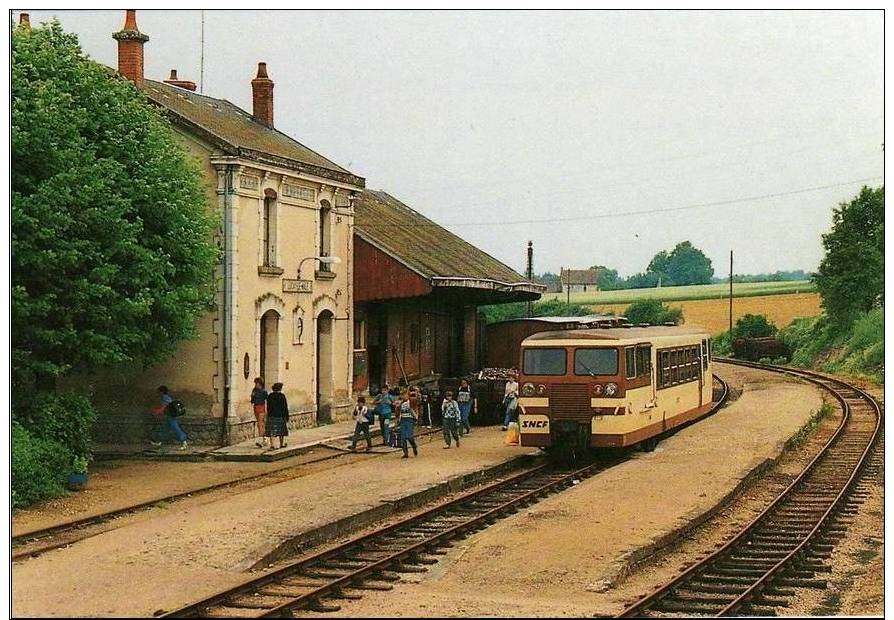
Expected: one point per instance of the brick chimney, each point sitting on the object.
(130, 49)
(174, 81)
(25, 21)
(262, 96)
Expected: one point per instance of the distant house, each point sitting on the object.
(579, 280)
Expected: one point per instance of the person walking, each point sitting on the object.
(450, 415)
(171, 409)
(408, 426)
(510, 400)
(277, 416)
(362, 418)
(467, 401)
(383, 403)
(259, 404)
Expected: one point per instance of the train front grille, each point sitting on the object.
(570, 400)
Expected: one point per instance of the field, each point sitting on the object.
(713, 314)
(686, 293)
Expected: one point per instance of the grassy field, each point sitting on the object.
(713, 314)
(686, 293)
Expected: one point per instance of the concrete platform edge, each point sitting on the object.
(305, 541)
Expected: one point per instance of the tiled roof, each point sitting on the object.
(235, 131)
(424, 246)
(579, 276)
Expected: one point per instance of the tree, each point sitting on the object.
(753, 326)
(652, 312)
(606, 279)
(851, 276)
(685, 264)
(112, 241)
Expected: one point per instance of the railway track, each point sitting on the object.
(35, 542)
(374, 561)
(785, 547)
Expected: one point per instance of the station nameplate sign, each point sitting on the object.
(297, 286)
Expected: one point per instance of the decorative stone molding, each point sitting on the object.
(250, 182)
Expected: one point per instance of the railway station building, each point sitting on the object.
(279, 312)
(417, 288)
(324, 286)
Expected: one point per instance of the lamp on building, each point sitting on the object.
(324, 260)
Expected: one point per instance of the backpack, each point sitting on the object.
(175, 409)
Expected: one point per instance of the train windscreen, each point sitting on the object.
(545, 361)
(595, 362)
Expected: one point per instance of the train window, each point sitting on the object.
(545, 361)
(630, 358)
(663, 368)
(644, 360)
(596, 362)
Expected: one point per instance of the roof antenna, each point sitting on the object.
(202, 55)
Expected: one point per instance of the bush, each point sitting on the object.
(39, 467)
(63, 417)
(753, 326)
(653, 312)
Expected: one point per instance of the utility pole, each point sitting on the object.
(731, 291)
(202, 55)
(530, 274)
(567, 287)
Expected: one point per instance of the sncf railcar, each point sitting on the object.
(610, 388)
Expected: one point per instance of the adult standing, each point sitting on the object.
(259, 405)
(510, 400)
(467, 401)
(277, 416)
(383, 408)
(451, 417)
(408, 426)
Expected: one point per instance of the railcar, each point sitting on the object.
(588, 389)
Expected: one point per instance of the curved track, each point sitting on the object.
(784, 547)
(374, 560)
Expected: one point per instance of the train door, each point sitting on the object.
(701, 375)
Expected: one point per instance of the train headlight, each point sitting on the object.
(611, 389)
(528, 389)
(541, 390)
(598, 389)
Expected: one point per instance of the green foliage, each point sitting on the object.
(551, 280)
(809, 427)
(685, 264)
(39, 467)
(653, 312)
(858, 349)
(552, 307)
(63, 417)
(607, 279)
(851, 276)
(753, 326)
(776, 276)
(112, 244)
(79, 465)
(641, 280)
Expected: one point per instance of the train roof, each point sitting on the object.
(618, 333)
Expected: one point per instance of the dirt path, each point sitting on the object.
(562, 556)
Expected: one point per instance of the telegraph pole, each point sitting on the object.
(731, 291)
(530, 307)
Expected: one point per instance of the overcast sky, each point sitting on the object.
(556, 120)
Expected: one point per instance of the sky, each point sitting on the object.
(601, 136)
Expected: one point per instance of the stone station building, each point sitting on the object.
(286, 307)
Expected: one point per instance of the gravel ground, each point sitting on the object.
(563, 556)
(192, 549)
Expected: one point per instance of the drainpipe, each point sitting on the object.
(228, 300)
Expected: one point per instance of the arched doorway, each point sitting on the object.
(325, 380)
(269, 347)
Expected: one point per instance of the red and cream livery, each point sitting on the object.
(597, 388)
